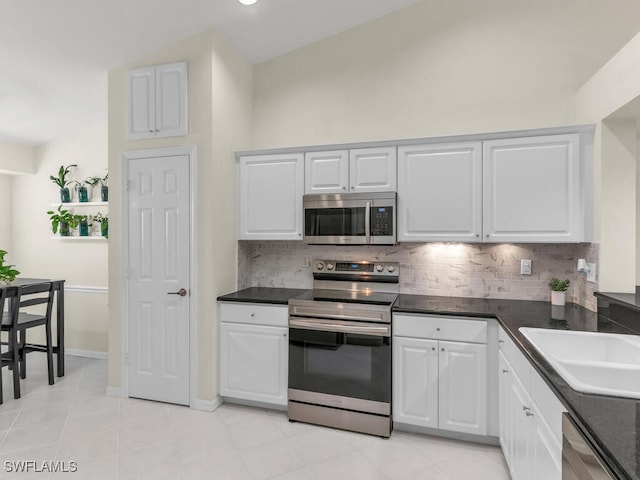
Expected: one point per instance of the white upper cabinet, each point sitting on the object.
(373, 170)
(440, 192)
(359, 170)
(326, 172)
(270, 197)
(157, 101)
(532, 189)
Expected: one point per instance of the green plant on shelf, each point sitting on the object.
(103, 220)
(62, 219)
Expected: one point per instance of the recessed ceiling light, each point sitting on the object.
(247, 2)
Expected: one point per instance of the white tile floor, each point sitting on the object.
(114, 438)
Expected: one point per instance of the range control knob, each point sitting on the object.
(391, 268)
(379, 268)
(319, 266)
(329, 266)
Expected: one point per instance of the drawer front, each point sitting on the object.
(521, 366)
(254, 313)
(458, 329)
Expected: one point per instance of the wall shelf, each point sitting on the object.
(77, 238)
(81, 204)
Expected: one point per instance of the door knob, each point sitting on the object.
(182, 292)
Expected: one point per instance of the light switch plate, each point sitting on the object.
(525, 267)
(591, 273)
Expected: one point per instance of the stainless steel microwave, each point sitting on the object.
(350, 219)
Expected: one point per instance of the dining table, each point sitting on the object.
(58, 287)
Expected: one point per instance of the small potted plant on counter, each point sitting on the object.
(63, 219)
(558, 290)
(7, 273)
(103, 220)
(62, 182)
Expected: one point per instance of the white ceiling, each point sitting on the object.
(55, 53)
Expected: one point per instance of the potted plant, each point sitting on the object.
(81, 191)
(83, 224)
(90, 183)
(63, 219)
(104, 188)
(558, 289)
(62, 182)
(103, 220)
(7, 273)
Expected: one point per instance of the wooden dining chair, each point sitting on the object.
(16, 323)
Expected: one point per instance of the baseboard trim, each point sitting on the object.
(114, 391)
(207, 405)
(436, 432)
(74, 352)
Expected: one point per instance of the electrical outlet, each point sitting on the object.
(525, 267)
(304, 261)
(591, 273)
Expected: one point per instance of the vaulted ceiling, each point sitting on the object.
(55, 53)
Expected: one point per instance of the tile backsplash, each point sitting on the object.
(456, 269)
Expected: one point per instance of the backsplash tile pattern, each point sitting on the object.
(459, 270)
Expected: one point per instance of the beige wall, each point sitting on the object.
(618, 207)
(485, 67)
(37, 254)
(17, 159)
(614, 86)
(219, 123)
(5, 215)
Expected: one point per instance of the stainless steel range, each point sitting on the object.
(340, 347)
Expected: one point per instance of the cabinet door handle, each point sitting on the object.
(528, 414)
(526, 409)
(505, 371)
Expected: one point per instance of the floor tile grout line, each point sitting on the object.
(13, 423)
(66, 420)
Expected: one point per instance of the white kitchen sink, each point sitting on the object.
(591, 362)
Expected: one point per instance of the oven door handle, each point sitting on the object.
(297, 322)
(367, 222)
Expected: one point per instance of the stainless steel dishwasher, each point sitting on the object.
(579, 461)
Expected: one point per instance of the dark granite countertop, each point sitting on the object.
(631, 300)
(611, 424)
(278, 296)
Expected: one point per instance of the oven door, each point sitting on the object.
(336, 358)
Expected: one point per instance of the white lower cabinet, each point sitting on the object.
(415, 381)
(253, 357)
(439, 382)
(529, 419)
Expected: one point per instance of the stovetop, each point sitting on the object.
(348, 296)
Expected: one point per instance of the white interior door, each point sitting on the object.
(159, 256)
